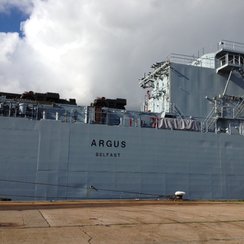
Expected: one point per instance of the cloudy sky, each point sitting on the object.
(90, 48)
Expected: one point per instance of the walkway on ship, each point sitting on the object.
(122, 222)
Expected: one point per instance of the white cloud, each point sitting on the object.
(23, 5)
(89, 48)
(8, 42)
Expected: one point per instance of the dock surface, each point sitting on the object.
(122, 222)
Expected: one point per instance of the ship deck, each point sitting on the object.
(127, 221)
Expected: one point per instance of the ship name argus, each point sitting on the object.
(108, 144)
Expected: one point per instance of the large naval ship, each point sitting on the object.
(188, 137)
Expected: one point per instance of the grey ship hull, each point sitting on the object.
(48, 159)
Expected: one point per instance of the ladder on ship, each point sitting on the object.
(238, 109)
(209, 121)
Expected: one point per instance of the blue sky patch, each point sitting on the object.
(10, 20)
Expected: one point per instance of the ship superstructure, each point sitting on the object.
(208, 89)
(189, 137)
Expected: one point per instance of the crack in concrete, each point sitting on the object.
(40, 212)
(206, 240)
(90, 237)
(127, 224)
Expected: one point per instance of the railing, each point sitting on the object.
(192, 60)
(123, 118)
(42, 112)
(147, 120)
(181, 58)
(110, 117)
(230, 45)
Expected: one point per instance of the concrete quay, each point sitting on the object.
(121, 222)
